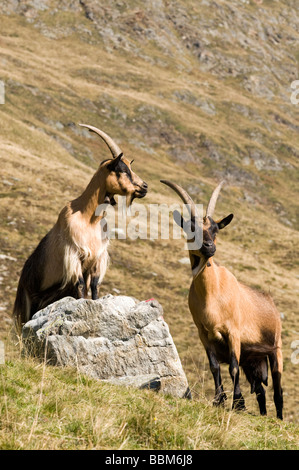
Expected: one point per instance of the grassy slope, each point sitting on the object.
(46, 160)
(84, 414)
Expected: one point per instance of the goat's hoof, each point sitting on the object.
(219, 399)
(239, 404)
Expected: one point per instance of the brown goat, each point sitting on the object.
(237, 325)
(73, 256)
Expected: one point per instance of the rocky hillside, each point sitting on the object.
(192, 90)
(228, 64)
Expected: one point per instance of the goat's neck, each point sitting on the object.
(206, 283)
(92, 196)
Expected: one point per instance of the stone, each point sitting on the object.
(115, 338)
(185, 260)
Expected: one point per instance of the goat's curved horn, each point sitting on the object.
(184, 196)
(114, 148)
(213, 200)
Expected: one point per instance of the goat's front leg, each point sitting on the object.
(94, 286)
(234, 370)
(81, 288)
(91, 281)
(220, 395)
(97, 273)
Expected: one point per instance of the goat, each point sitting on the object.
(73, 256)
(237, 325)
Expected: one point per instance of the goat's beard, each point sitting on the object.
(129, 200)
(110, 200)
(126, 207)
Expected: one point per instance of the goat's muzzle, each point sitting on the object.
(141, 191)
(208, 249)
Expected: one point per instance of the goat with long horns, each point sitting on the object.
(73, 256)
(237, 325)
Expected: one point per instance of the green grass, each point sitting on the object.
(86, 414)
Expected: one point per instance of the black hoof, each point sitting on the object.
(220, 399)
(239, 404)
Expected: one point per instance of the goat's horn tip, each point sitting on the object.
(84, 125)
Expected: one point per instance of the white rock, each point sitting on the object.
(115, 338)
(184, 260)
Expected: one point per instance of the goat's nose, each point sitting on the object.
(145, 185)
(208, 243)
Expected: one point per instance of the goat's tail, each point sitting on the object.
(22, 308)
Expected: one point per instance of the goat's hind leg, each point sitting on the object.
(276, 365)
(220, 395)
(256, 371)
(261, 399)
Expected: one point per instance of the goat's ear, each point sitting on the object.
(178, 219)
(224, 222)
(114, 162)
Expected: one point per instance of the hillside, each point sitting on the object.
(195, 91)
